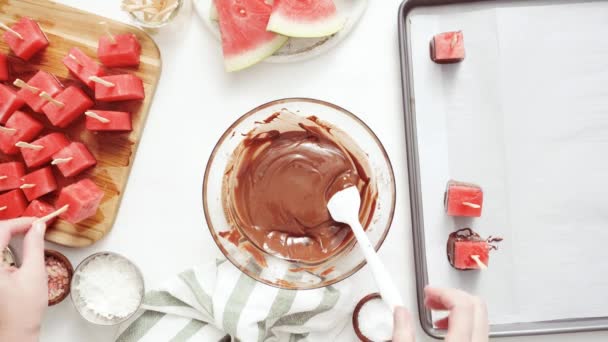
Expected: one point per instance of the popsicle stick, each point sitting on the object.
(101, 81)
(52, 215)
(23, 144)
(454, 41)
(3, 208)
(10, 131)
(61, 160)
(4, 26)
(75, 59)
(158, 16)
(21, 84)
(3, 177)
(478, 262)
(27, 186)
(49, 98)
(471, 205)
(96, 116)
(107, 30)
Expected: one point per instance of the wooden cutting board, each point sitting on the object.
(67, 27)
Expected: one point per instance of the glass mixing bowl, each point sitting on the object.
(276, 271)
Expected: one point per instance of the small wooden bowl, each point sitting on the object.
(68, 266)
(358, 308)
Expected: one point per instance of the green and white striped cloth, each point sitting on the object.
(217, 302)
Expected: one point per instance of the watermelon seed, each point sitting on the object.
(19, 83)
(2, 25)
(49, 98)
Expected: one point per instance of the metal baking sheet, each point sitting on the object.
(525, 116)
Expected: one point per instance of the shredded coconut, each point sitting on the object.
(376, 320)
(110, 286)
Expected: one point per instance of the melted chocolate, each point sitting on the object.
(280, 181)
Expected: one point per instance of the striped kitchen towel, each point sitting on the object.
(217, 302)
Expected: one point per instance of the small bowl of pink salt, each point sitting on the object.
(59, 272)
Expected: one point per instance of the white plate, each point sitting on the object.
(298, 49)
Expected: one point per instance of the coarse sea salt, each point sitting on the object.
(110, 286)
(376, 320)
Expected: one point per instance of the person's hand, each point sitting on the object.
(468, 317)
(23, 291)
(403, 329)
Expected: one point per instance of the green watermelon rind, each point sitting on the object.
(300, 29)
(251, 57)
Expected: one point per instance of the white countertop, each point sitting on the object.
(196, 101)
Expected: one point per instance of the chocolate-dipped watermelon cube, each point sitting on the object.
(10, 175)
(103, 120)
(83, 199)
(119, 50)
(466, 250)
(26, 38)
(82, 66)
(4, 73)
(9, 102)
(71, 103)
(119, 88)
(41, 82)
(12, 204)
(38, 183)
(19, 127)
(463, 199)
(41, 151)
(447, 47)
(38, 208)
(73, 159)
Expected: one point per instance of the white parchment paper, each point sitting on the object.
(526, 117)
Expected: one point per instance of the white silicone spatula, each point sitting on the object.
(344, 207)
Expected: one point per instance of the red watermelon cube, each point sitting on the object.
(31, 41)
(43, 149)
(38, 183)
(12, 204)
(463, 199)
(82, 66)
(123, 87)
(466, 251)
(4, 74)
(123, 51)
(75, 102)
(101, 120)
(83, 199)
(73, 159)
(447, 47)
(38, 208)
(9, 102)
(21, 127)
(42, 81)
(10, 175)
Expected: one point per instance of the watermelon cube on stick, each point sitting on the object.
(245, 40)
(25, 38)
(38, 208)
(82, 198)
(4, 73)
(447, 47)
(463, 199)
(38, 183)
(82, 66)
(308, 19)
(118, 88)
(73, 159)
(471, 255)
(118, 50)
(103, 120)
(20, 127)
(9, 102)
(12, 204)
(10, 175)
(67, 106)
(41, 82)
(41, 151)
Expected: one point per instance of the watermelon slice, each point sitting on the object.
(245, 40)
(305, 18)
(83, 199)
(464, 252)
(38, 208)
(12, 204)
(463, 199)
(38, 183)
